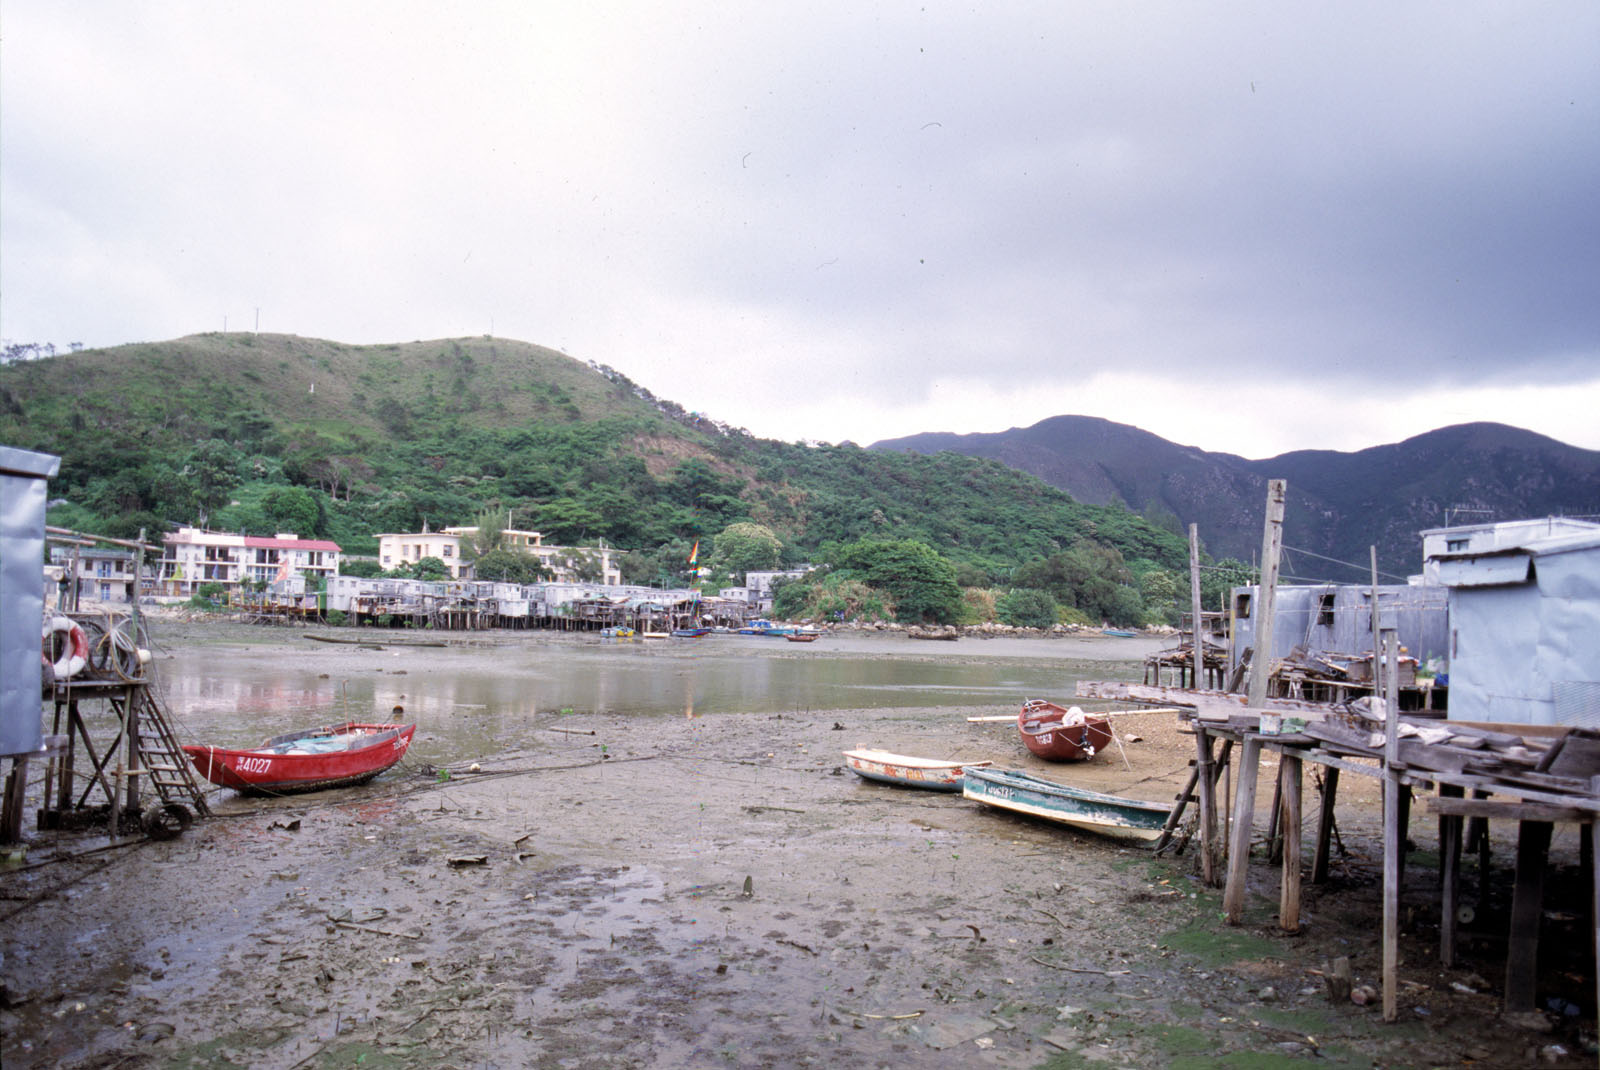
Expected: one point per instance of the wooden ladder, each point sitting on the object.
(170, 773)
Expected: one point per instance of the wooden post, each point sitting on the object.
(1393, 838)
(1197, 678)
(1208, 808)
(1266, 598)
(1319, 859)
(1289, 895)
(1377, 674)
(1527, 902)
(1449, 877)
(1244, 805)
(1594, 888)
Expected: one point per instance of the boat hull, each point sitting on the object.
(905, 771)
(272, 768)
(1090, 811)
(1044, 733)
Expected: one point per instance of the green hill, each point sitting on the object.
(269, 432)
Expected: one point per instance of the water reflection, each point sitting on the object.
(494, 693)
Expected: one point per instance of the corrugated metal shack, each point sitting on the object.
(1525, 631)
(23, 491)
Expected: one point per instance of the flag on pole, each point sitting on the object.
(694, 554)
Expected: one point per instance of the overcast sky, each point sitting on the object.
(1246, 227)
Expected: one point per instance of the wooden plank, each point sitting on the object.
(1503, 809)
(1289, 892)
(1224, 701)
(1244, 806)
(1527, 903)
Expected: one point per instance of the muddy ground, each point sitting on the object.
(717, 891)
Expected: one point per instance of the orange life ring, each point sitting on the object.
(75, 649)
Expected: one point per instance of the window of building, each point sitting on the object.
(1325, 609)
(1455, 545)
(447, 551)
(1241, 605)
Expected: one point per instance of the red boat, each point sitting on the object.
(334, 757)
(1059, 734)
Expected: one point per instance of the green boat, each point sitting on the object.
(1024, 793)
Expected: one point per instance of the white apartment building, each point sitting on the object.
(445, 545)
(193, 557)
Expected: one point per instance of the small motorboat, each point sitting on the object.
(1091, 811)
(616, 633)
(337, 756)
(1061, 733)
(904, 771)
(690, 633)
(803, 636)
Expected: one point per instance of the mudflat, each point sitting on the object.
(713, 889)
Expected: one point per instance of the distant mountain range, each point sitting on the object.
(1339, 504)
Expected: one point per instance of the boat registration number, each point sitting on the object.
(1002, 792)
(1044, 740)
(254, 765)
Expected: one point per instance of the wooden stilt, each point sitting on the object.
(1449, 878)
(1319, 859)
(1289, 826)
(1393, 836)
(1208, 810)
(1177, 811)
(1274, 826)
(1527, 897)
(1594, 894)
(1244, 804)
(1478, 838)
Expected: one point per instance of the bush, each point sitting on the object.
(337, 618)
(1026, 607)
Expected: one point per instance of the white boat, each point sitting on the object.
(905, 771)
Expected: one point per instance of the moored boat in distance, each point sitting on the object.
(767, 628)
(1120, 633)
(1060, 733)
(1090, 811)
(690, 633)
(336, 756)
(904, 771)
(803, 635)
(616, 633)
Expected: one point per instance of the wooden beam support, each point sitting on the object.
(1289, 826)
(1449, 875)
(1319, 858)
(1527, 903)
(1502, 809)
(1209, 853)
(1394, 844)
(1244, 806)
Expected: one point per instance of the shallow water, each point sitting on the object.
(493, 695)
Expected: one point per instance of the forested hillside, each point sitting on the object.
(265, 433)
